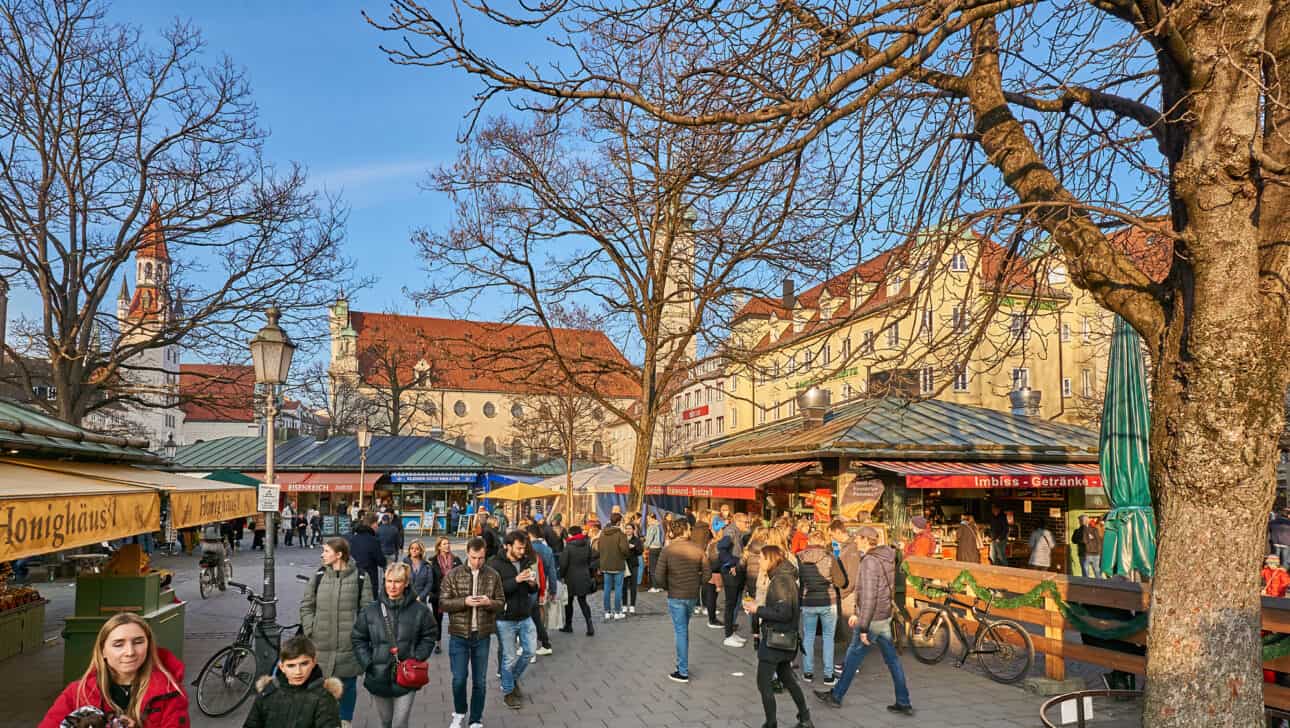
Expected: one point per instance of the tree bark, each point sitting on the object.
(640, 462)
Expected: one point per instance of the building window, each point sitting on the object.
(1057, 275)
(867, 343)
(687, 400)
(1086, 382)
(958, 263)
(777, 410)
(846, 348)
(927, 324)
(827, 354)
(1066, 386)
(707, 395)
(721, 424)
(1066, 332)
(893, 285)
(1085, 329)
(459, 408)
(490, 410)
(846, 391)
(958, 321)
(517, 450)
(792, 363)
(597, 450)
(490, 447)
(1020, 378)
(762, 410)
(775, 373)
(926, 380)
(734, 419)
(721, 391)
(1018, 327)
(517, 410)
(689, 432)
(893, 336)
(460, 442)
(707, 428)
(961, 378)
(792, 407)
(676, 405)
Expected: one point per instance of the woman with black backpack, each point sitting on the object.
(777, 608)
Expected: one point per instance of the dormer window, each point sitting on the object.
(958, 263)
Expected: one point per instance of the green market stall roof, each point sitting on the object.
(28, 432)
(900, 429)
(335, 454)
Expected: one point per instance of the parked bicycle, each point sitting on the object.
(227, 678)
(1002, 646)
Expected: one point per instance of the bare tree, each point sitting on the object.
(341, 398)
(395, 385)
(1070, 118)
(565, 422)
(111, 143)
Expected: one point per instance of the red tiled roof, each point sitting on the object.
(487, 357)
(217, 392)
(152, 242)
(1151, 250)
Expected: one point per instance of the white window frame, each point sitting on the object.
(1066, 387)
(721, 425)
(846, 348)
(1019, 326)
(926, 380)
(961, 379)
(1086, 382)
(957, 320)
(894, 284)
(1066, 332)
(828, 354)
(869, 342)
(1086, 329)
(958, 263)
(1020, 378)
(893, 336)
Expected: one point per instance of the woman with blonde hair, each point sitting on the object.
(128, 676)
(422, 579)
(396, 628)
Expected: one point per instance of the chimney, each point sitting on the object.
(813, 403)
(789, 299)
(1025, 402)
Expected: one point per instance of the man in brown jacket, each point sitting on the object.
(681, 571)
(613, 549)
(472, 596)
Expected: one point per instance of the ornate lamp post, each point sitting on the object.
(271, 350)
(364, 441)
(170, 447)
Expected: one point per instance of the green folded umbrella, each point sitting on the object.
(1129, 544)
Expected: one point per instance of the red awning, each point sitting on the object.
(322, 482)
(991, 475)
(736, 482)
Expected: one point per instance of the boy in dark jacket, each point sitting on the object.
(298, 696)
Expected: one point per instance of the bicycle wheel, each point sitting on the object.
(1005, 651)
(225, 680)
(204, 581)
(930, 636)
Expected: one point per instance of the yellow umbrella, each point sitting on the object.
(520, 492)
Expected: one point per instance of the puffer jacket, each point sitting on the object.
(821, 575)
(876, 581)
(577, 564)
(850, 566)
(780, 612)
(165, 704)
(422, 579)
(613, 549)
(415, 635)
(452, 599)
(681, 569)
(279, 704)
(327, 617)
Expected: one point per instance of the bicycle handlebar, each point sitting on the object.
(251, 594)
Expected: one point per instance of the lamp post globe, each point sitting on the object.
(271, 352)
(364, 436)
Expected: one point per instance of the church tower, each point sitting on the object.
(678, 289)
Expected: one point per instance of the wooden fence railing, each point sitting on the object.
(1057, 640)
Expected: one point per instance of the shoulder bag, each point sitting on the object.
(410, 673)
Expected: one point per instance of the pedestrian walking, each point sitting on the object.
(968, 548)
(801, 536)
(681, 572)
(613, 550)
(390, 537)
(129, 677)
(315, 528)
(288, 523)
(998, 536)
(872, 621)
(850, 559)
(298, 695)
(822, 576)
(365, 550)
(752, 569)
(729, 554)
(578, 569)
(391, 630)
(709, 595)
(632, 569)
(332, 601)
(442, 562)
(548, 585)
(514, 623)
(258, 529)
(420, 573)
(776, 605)
(653, 548)
(471, 595)
(1088, 543)
(1042, 542)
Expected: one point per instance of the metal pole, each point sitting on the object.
(267, 646)
(362, 474)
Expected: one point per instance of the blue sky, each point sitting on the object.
(363, 126)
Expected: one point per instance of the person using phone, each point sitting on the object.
(471, 595)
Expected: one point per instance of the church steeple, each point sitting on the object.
(152, 272)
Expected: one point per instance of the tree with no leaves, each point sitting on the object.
(567, 422)
(1070, 118)
(109, 142)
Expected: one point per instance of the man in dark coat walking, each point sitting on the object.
(365, 551)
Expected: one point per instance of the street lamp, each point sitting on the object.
(364, 442)
(170, 448)
(271, 350)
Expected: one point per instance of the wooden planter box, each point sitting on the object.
(22, 630)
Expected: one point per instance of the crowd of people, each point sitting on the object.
(373, 613)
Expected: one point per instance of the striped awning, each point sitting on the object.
(736, 482)
(937, 474)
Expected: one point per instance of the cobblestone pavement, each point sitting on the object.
(617, 679)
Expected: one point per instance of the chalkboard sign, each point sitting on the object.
(335, 525)
(343, 526)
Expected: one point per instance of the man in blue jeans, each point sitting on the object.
(472, 596)
(515, 622)
(681, 571)
(614, 547)
(872, 622)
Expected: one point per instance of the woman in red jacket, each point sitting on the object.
(128, 676)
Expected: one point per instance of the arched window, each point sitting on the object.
(490, 447)
(490, 410)
(517, 450)
(147, 271)
(459, 408)
(460, 442)
(597, 450)
(517, 410)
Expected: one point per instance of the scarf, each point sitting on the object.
(763, 586)
(445, 563)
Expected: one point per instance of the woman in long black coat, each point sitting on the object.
(776, 605)
(578, 565)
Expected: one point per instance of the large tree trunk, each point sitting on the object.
(641, 461)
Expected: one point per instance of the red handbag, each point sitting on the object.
(411, 674)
